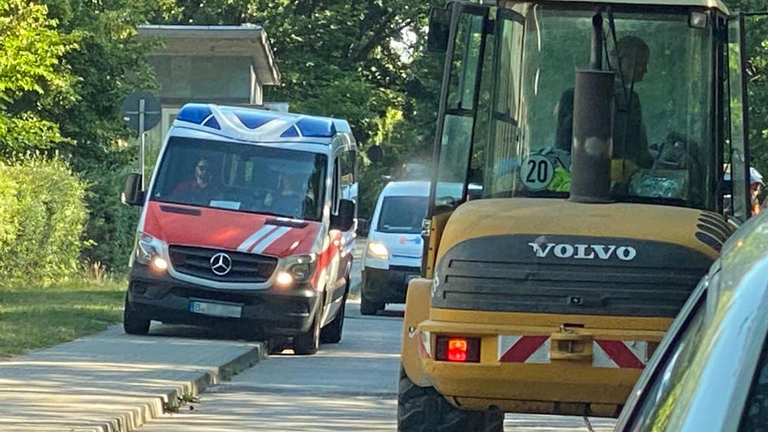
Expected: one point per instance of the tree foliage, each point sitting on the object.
(65, 69)
(32, 76)
(335, 56)
(110, 62)
(343, 59)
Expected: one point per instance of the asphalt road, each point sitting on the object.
(351, 386)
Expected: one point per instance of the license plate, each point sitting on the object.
(216, 309)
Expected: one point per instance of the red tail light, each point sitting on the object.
(458, 349)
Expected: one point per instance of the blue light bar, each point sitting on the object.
(291, 132)
(254, 119)
(212, 123)
(194, 113)
(316, 128)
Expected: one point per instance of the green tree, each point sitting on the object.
(338, 58)
(110, 62)
(33, 76)
(756, 38)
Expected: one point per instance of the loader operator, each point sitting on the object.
(630, 58)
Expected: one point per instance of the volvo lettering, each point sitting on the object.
(583, 251)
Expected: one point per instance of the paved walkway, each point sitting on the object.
(112, 381)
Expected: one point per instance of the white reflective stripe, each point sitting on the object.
(600, 358)
(505, 343)
(426, 342)
(258, 235)
(276, 126)
(639, 349)
(541, 355)
(267, 242)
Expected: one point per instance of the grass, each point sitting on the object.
(38, 317)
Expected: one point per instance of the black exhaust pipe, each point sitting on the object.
(592, 127)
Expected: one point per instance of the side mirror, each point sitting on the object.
(362, 227)
(439, 30)
(346, 217)
(375, 153)
(132, 193)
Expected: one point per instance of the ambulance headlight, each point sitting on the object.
(149, 251)
(301, 268)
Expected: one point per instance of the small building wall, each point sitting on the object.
(204, 78)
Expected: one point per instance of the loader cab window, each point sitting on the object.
(461, 101)
(663, 151)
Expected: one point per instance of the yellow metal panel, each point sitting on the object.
(569, 377)
(417, 303)
(435, 234)
(463, 329)
(555, 382)
(539, 216)
(532, 320)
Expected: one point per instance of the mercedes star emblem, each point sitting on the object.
(221, 264)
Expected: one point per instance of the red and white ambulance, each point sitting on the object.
(247, 221)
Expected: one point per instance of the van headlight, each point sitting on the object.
(149, 251)
(378, 250)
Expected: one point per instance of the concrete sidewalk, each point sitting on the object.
(112, 381)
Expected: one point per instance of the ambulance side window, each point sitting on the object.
(348, 180)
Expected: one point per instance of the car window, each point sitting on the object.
(755, 415)
(662, 401)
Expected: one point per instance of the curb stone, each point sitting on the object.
(156, 406)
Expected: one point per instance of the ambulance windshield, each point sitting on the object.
(242, 177)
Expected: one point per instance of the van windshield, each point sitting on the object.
(402, 214)
(241, 177)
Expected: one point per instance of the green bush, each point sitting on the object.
(8, 203)
(42, 216)
(111, 227)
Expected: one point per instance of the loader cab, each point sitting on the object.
(506, 115)
(598, 132)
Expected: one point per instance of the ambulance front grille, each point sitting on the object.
(246, 267)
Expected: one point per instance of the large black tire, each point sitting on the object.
(308, 343)
(133, 322)
(368, 306)
(332, 332)
(423, 409)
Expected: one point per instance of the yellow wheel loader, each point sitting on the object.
(599, 132)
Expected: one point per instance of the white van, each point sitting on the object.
(393, 254)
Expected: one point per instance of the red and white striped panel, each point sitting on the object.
(524, 349)
(605, 353)
(619, 354)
